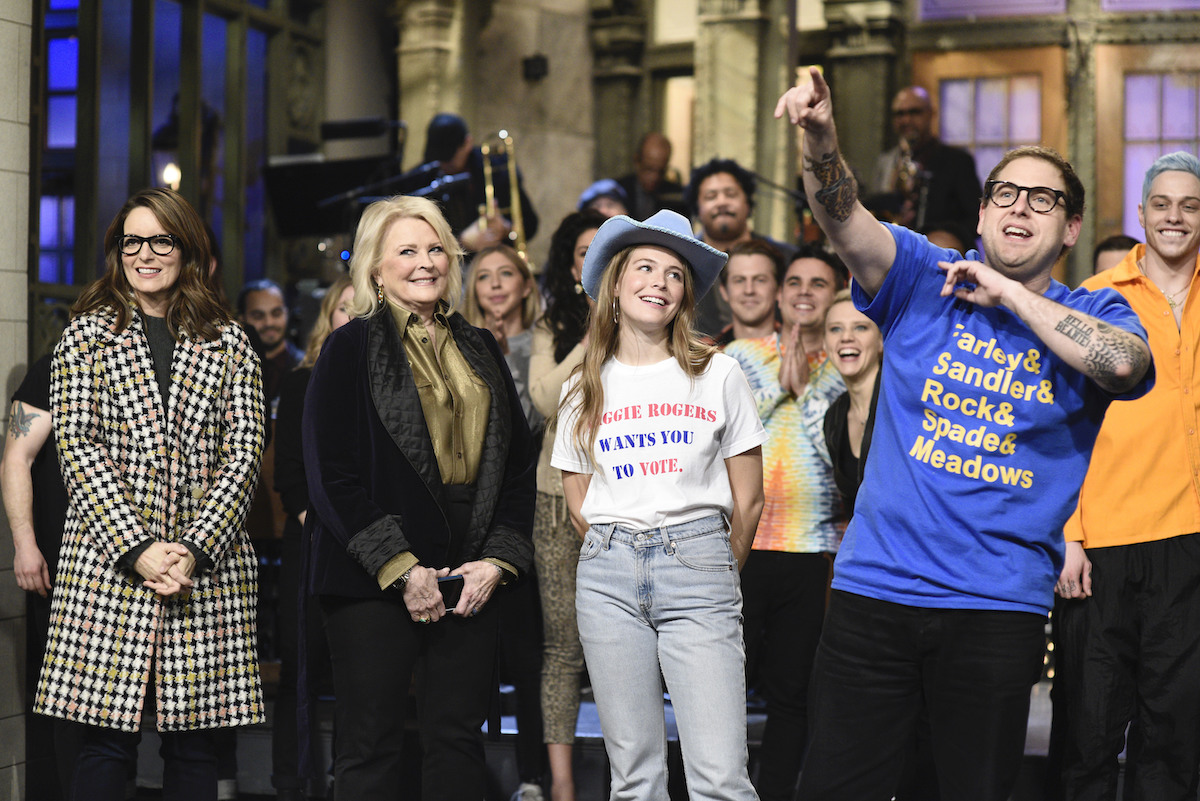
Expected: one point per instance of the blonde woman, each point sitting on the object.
(503, 298)
(660, 446)
(420, 467)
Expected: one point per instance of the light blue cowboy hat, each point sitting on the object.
(667, 229)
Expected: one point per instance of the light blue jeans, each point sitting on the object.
(666, 600)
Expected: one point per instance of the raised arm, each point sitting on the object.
(861, 240)
(1112, 357)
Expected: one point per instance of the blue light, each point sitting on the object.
(345, 255)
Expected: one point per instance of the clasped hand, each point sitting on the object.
(167, 568)
(423, 598)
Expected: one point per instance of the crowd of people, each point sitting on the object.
(674, 460)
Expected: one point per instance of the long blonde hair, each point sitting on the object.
(531, 307)
(689, 350)
(323, 326)
(369, 239)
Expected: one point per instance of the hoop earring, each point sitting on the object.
(616, 314)
(379, 292)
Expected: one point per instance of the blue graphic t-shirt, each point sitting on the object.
(982, 439)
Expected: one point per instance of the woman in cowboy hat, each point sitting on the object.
(659, 444)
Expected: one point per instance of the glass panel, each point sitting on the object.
(991, 110)
(987, 157)
(254, 255)
(1025, 103)
(1141, 106)
(62, 72)
(60, 122)
(48, 223)
(1179, 97)
(68, 221)
(212, 92)
(63, 5)
(112, 135)
(957, 111)
(164, 114)
(68, 268)
(48, 268)
(1138, 159)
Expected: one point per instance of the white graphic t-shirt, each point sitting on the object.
(659, 456)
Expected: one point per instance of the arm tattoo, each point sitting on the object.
(21, 420)
(1113, 349)
(838, 191)
(1075, 330)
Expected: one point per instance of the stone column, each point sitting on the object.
(16, 20)
(618, 41)
(742, 66)
(428, 61)
(862, 68)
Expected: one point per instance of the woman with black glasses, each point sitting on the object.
(157, 407)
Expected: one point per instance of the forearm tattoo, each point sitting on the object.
(1075, 330)
(1108, 350)
(838, 191)
(19, 424)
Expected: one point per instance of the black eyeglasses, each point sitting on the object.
(160, 244)
(1041, 199)
(907, 112)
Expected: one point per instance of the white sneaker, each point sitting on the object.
(528, 792)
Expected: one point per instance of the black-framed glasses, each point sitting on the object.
(1041, 199)
(160, 244)
(908, 112)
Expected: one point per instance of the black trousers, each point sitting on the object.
(285, 742)
(1136, 657)
(521, 666)
(107, 756)
(879, 664)
(378, 652)
(783, 605)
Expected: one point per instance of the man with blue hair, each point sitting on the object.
(1132, 634)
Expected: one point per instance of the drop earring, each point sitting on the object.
(379, 292)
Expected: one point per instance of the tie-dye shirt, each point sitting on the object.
(803, 512)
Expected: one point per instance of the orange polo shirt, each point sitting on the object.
(1143, 483)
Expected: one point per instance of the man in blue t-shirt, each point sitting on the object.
(994, 387)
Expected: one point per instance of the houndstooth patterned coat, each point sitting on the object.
(134, 472)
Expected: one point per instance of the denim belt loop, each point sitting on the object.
(608, 530)
(668, 543)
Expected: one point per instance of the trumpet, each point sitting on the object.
(503, 146)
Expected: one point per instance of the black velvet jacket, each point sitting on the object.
(373, 481)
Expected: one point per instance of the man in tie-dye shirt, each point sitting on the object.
(786, 577)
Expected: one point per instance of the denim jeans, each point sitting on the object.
(666, 602)
(879, 663)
